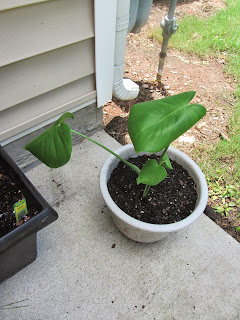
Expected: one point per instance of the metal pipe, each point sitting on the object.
(169, 27)
(172, 8)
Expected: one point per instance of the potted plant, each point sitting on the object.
(23, 212)
(152, 126)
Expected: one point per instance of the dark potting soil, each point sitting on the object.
(170, 201)
(13, 190)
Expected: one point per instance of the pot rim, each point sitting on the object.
(174, 154)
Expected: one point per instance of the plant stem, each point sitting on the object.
(132, 166)
(162, 155)
(146, 190)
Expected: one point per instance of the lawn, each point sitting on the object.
(217, 36)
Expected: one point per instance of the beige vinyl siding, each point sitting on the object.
(29, 78)
(47, 61)
(34, 111)
(9, 4)
(31, 30)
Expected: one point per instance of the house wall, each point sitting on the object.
(47, 63)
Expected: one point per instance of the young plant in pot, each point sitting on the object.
(158, 188)
(23, 212)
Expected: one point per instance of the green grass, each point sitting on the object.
(216, 36)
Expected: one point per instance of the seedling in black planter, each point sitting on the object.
(152, 126)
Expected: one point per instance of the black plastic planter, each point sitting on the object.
(18, 248)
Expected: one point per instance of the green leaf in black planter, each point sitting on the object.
(54, 146)
(153, 125)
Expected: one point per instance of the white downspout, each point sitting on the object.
(123, 89)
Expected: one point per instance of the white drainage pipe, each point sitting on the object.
(139, 13)
(123, 89)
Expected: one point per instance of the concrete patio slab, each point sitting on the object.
(86, 269)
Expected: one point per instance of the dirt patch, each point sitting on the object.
(200, 8)
(182, 72)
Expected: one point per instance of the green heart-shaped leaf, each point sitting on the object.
(154, 125)
(54, 146)
(151, 173)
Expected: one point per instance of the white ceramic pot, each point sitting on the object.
(143, 231)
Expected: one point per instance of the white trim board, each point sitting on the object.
(105, 26)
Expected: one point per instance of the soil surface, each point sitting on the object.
(12, 190)
(182, 72)
(170, 201)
